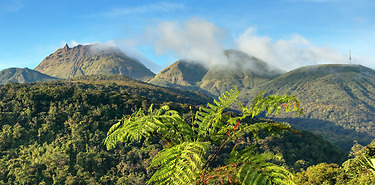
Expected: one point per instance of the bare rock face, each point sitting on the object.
(90, 60)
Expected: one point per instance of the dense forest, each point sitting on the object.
(54, 132)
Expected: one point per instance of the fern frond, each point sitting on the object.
(268, 127)
(273, 104)
(180, 164)
(183, 162)
(367, 162)
(209, 119)
(164, 123)
(255, 168)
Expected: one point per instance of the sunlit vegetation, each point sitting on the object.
(357, 170)
(190, 150)
(338, 101)
(54, 133)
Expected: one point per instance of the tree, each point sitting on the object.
(190, 150)
(361, 168)
(321, 173)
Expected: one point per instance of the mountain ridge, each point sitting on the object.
(243, 71)
(338, 100)
(23, 75)
(92, 59)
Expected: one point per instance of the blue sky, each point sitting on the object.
(285, 33)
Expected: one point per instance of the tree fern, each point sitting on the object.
(209, 120)
(367, 162)
(179, 164)
(164, 123)
(183, 160)
(247, 167)
(272, 104)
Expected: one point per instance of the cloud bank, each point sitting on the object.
(200, 40)
(287, 54)
(127, 46)
(195, 40)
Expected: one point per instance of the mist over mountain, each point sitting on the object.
(92, 59)
(243, 71)
(22, 75)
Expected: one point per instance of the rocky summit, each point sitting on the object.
(90, 60)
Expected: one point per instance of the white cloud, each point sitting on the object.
(157, 7)
(73, 43)
(129, 47)
(287, 54)
(195, 39)
(202, 41)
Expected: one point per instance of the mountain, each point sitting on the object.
(338, 101)
(22, 75)
(244, 72)
(182, 74)
(92, 59)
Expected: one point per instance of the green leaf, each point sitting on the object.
(184, 160)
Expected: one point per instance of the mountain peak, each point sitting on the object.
(66, 47)
(243, 71)
(90, 60)
(180, 73)
(241, 61)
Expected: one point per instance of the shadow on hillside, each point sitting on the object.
(337, 135)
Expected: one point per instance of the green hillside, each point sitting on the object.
(243, 71)
(338, 101)
(140, 88)
(53, 132)
(181, 74)
(22, 75)
(90, 60)
(219, 81)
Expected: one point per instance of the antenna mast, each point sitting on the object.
(350, 57)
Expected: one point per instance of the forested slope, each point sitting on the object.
(53, 132)
(338, 101)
